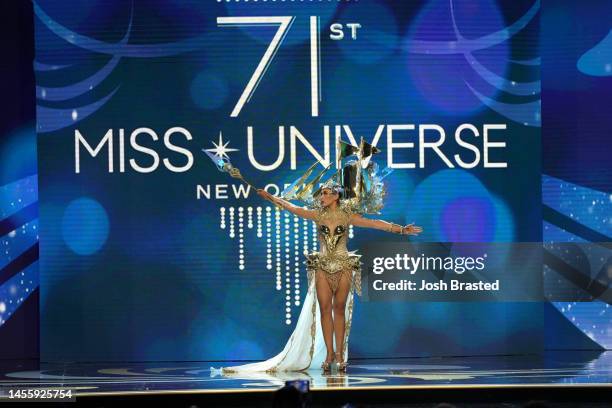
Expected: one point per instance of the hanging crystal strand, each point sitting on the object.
(278, 244)
(222, 217)
(351, 231)
(231, 222)
(287, 268)
(296, 260)
(314, 236)
(240, 238)
(259, 234)
(268, 239)
(250, 217)
(305, 230)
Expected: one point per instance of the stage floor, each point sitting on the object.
(554, 369)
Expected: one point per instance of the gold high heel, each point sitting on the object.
(341, 364)
(326, 365)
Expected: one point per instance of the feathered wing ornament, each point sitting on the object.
(344, 150)
(373, 190)
(308, 191)
(358, 180)
(364, 189)
(292, 190)
(303, 190)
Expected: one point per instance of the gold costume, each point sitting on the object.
(361, 191)
(334, 260)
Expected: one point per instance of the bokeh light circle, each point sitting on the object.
(452, 205)
(85, 226)
(209, 90)
(378, 36)
(442, 78)
(478, 212)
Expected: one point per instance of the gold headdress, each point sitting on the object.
(358, 181)
(331, 184)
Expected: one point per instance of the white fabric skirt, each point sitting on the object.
(305, 349)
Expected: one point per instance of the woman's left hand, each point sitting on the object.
(411, 229)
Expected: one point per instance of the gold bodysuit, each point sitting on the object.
(334, 259)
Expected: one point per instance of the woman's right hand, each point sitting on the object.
(264, 194)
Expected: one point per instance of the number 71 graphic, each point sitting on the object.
(284, 23)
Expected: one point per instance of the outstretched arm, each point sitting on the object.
(359, 221)
(299, 211)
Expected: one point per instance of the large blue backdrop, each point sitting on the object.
(149, 253)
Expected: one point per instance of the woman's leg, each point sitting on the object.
(344, 286)
(324, 296)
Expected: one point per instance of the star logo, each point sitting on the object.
(221, 149)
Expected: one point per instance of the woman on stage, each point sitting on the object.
(334, 274)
